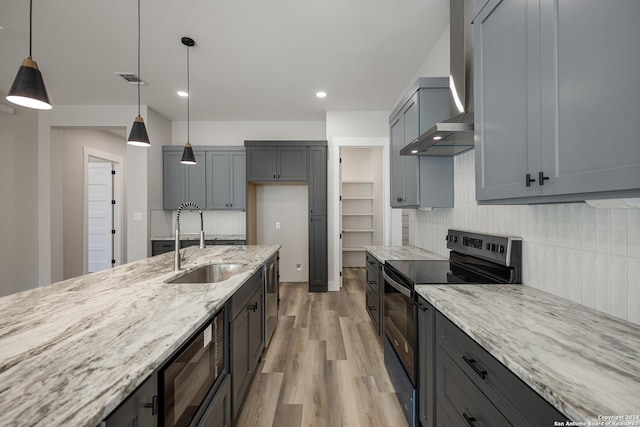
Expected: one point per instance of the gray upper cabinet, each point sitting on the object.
(216, 181)
(505, 110)
(226, 181)
(318, 180)
(218, 173)
(427, 104)
(272, 163)
(183, 183)
(556, 84)
(404, 169)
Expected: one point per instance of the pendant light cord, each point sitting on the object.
(188, 93)
(139, 78)
(30, 25)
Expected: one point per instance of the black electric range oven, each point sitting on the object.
(474, 259)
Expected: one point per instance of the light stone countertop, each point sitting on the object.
(196, 236)
(388, 253)
(584, 362)
(71, 352)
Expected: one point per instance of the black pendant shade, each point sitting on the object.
(28, 88)
(138, 135)
(188, 158)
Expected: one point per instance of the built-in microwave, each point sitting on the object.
(195, 370)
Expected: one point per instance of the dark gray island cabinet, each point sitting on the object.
(241, 350)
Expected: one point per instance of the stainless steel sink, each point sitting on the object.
(210, 273)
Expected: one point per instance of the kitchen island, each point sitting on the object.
(583, 362)
(72, 351)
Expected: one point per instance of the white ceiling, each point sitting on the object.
(253, 59)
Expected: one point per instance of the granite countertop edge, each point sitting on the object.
(389, 253)
(585, 363)
(71, 352)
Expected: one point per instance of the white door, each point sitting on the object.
(100, 215)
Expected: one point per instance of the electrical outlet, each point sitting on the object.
(277, 226)
(298, 267)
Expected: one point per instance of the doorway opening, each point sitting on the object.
(361, 207)
(103, 230)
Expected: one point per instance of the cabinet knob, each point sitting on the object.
(252, 307)
(470, 420)
(528, 180)
(153, 405)
(542, 178)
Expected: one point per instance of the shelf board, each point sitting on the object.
(357, 182)
(357, 214)
(357, 197)
(353, 249)
(358, 230)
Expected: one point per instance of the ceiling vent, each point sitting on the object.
(132, 78)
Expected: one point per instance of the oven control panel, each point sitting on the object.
(497, 248)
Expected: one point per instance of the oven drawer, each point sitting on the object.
(516, 400)
(460, 402)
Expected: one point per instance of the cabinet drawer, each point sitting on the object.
(461, 401)
(516, 400)
(372, 261)
(241, 298)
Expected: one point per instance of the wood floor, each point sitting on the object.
(325, 364)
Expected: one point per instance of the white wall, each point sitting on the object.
(349, 128)
(435, 64)
(70, 166)
(135, 184)
(590, 256)
(18, 192)
(159, 130)
(235, 133)
(288, 205)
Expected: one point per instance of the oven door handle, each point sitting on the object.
(397, 286)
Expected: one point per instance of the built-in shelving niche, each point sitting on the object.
(361, 191)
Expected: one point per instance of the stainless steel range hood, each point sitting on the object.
(454, 135)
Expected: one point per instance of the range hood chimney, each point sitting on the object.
(454, 135)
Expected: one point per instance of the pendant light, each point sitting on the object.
(138, 135)
(28, 88)
(188, 157)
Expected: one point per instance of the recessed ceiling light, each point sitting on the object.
(182, 93)
(321, 94)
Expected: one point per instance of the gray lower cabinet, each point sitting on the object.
(374, 293)
(159, 247)
(218, 412)
(139, 409)
(226, 180)
(182, 183)
(317, 180)
(556, 86)
(276, 163)
(427, 104)
(426, 363)
(247, 337)
(474, 386)
(318, 258)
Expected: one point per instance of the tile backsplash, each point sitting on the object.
(587, 255)
(215, 222)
